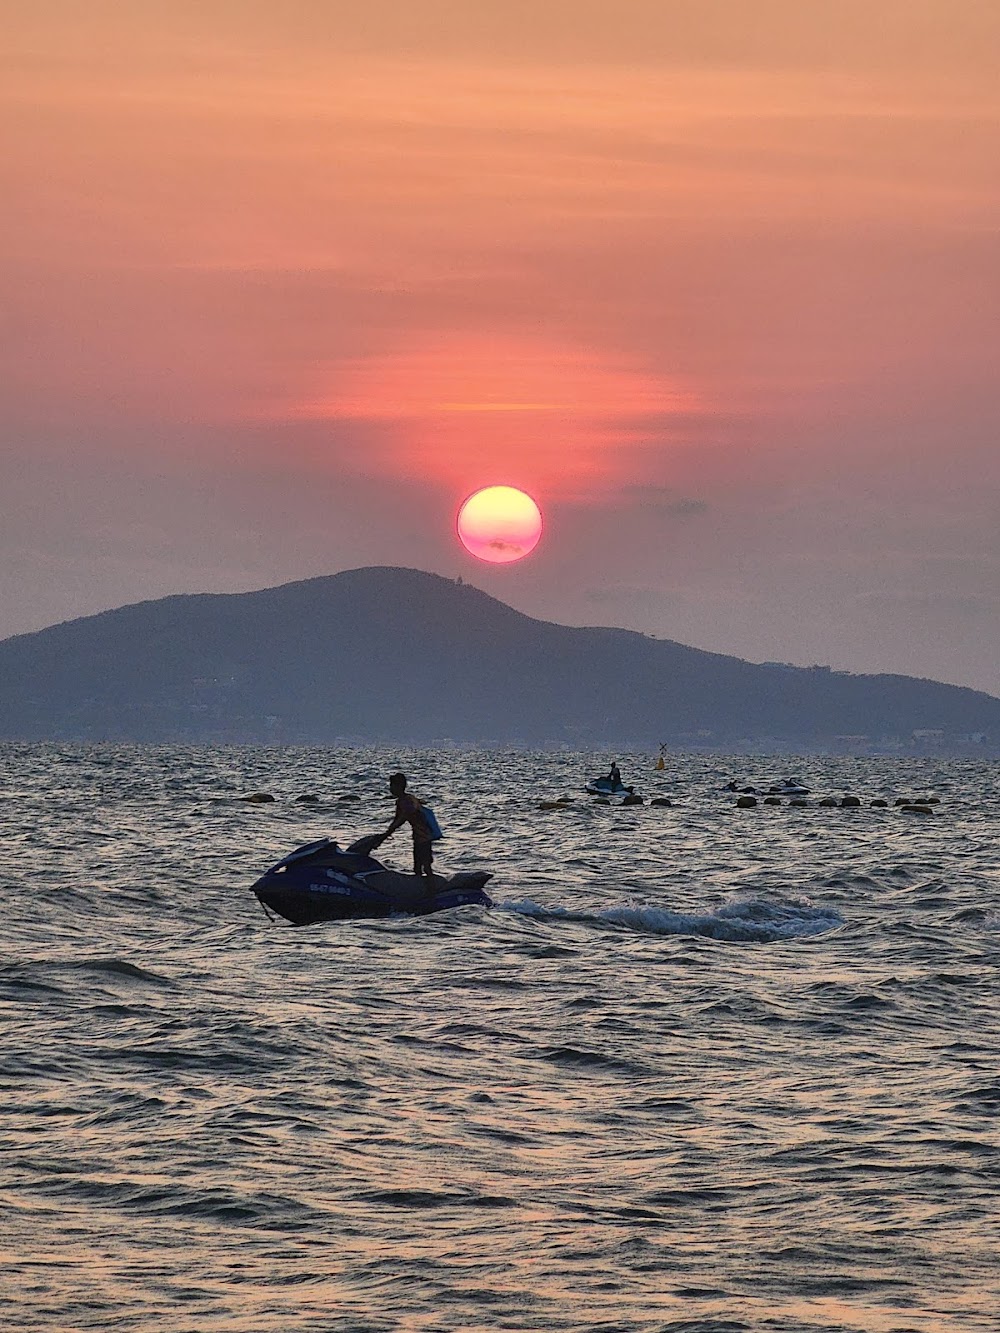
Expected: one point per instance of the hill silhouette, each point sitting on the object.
(401, 655)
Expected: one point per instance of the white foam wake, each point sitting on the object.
(753, 920)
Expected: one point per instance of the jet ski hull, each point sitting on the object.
(602, 787)
(321, 882)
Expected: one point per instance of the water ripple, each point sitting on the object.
(706, 1070)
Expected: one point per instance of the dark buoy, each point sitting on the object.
(829, 801)
(746, 802)
(850, 803)
(915, 808)
(883, 804)
(307, 799)
(661, 800)
(799, 803)
(772, 800)
(258, 797)
(633, 799)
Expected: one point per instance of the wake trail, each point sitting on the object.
(747, 920)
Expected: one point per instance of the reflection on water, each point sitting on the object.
(702, 1069)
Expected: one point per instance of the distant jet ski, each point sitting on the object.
(787, 788)
(321, 881)
(605, 787)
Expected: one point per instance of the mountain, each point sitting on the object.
(396, 654)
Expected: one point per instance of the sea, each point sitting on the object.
(701, 1069)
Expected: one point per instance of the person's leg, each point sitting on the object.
(423, 859)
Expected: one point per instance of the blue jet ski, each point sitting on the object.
(605, 787)
(322, 881)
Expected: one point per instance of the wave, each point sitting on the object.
(745, 920)
(117, 967)
(425, 1198)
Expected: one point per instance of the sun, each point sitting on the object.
(499, 524)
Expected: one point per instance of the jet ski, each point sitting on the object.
(786, 788)
(321, 881)
(605, 787)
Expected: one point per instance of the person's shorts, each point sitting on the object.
(423, 858)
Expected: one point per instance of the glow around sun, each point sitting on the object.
(499, 524)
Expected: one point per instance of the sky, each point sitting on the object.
(718, 283)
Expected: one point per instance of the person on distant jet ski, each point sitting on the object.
(410, 811)
(615, 777)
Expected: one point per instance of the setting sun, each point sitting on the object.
(499, 524)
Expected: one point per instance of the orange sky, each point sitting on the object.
(718, 282)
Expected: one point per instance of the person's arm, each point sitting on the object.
(398, 822)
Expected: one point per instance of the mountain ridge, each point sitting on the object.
(391, 653)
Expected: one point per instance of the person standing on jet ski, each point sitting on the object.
(410, 811)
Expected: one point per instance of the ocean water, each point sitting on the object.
(702, 1069)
